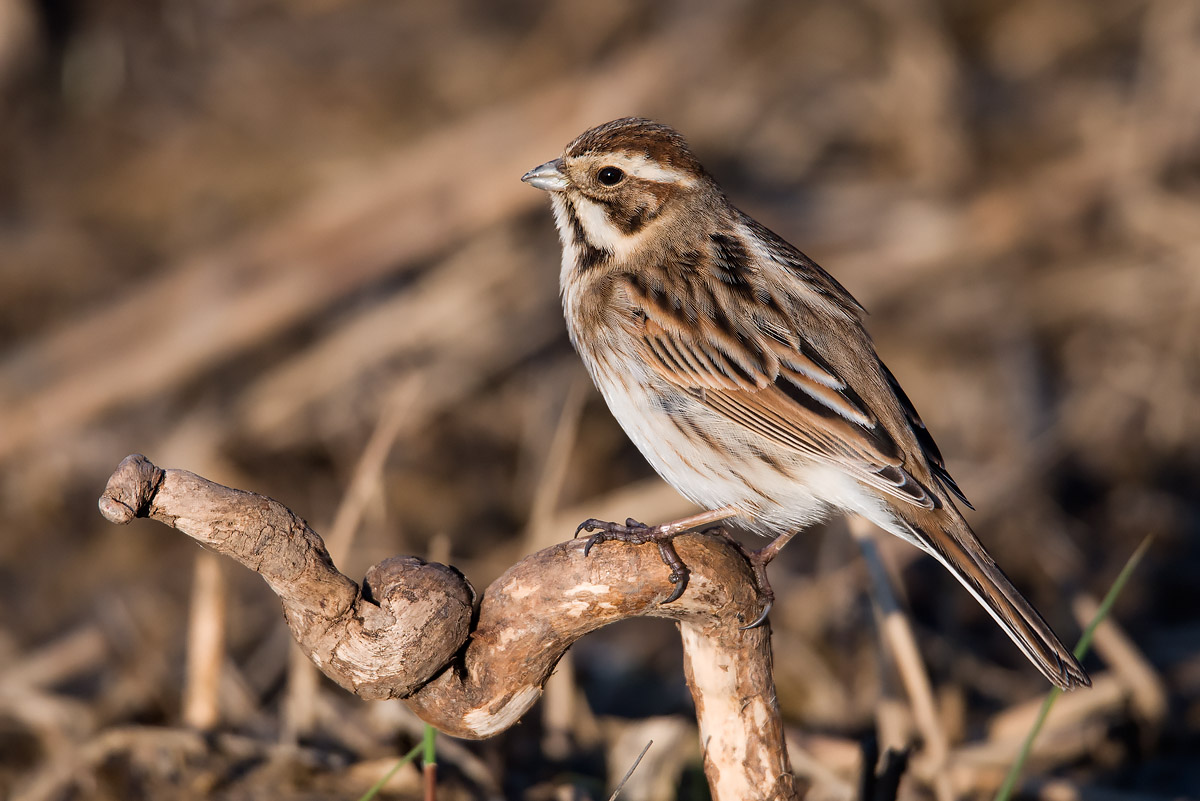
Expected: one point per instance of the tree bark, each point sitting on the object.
(409, 631)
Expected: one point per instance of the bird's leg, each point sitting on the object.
(662, 535)
(758, 564)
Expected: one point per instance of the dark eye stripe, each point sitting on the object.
(635, 221)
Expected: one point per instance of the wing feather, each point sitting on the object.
(932, 453)
(761, 373)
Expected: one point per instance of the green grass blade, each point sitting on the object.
(1081, 649)
(430, 769)
(404, 760)
(429, 745)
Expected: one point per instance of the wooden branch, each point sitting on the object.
(408, 633)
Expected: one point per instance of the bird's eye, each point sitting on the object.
(609, 176)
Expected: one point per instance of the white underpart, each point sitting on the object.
(772, 501)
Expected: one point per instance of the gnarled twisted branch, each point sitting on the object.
(407, 632)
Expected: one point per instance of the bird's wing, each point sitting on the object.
(759, 372)
(933, 454)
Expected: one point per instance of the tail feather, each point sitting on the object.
(952, 543)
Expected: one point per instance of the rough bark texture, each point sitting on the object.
(407, 633)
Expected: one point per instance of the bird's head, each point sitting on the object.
(618, 182)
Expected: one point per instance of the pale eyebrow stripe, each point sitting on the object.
(644, 168)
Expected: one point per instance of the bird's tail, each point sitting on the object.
(948, 538)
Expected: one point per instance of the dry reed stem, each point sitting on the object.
(1148, 692)
(344, 237)
(539, 529)
(897, 633)
(299, 706)
(206, 643)
(365, 478)
(75, 651)
(74, 767)
(1106, 695)
(560, 707)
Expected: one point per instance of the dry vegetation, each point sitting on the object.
(283, 245)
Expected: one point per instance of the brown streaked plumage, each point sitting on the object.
(742, 370)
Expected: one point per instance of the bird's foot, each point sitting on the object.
(758, 566)
(663, 536)
(636, 533)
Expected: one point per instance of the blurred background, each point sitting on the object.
(249, 238)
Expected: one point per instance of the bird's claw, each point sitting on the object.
(636, 533)
(758, 567)
(591, 524)
(762, 617)
(680, 573)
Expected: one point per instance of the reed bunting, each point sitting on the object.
(741, 370)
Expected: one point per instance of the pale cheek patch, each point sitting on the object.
(601, 231)
(594, 219)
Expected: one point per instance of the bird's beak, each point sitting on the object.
(548, 176)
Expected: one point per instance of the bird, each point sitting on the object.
(743, 373)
